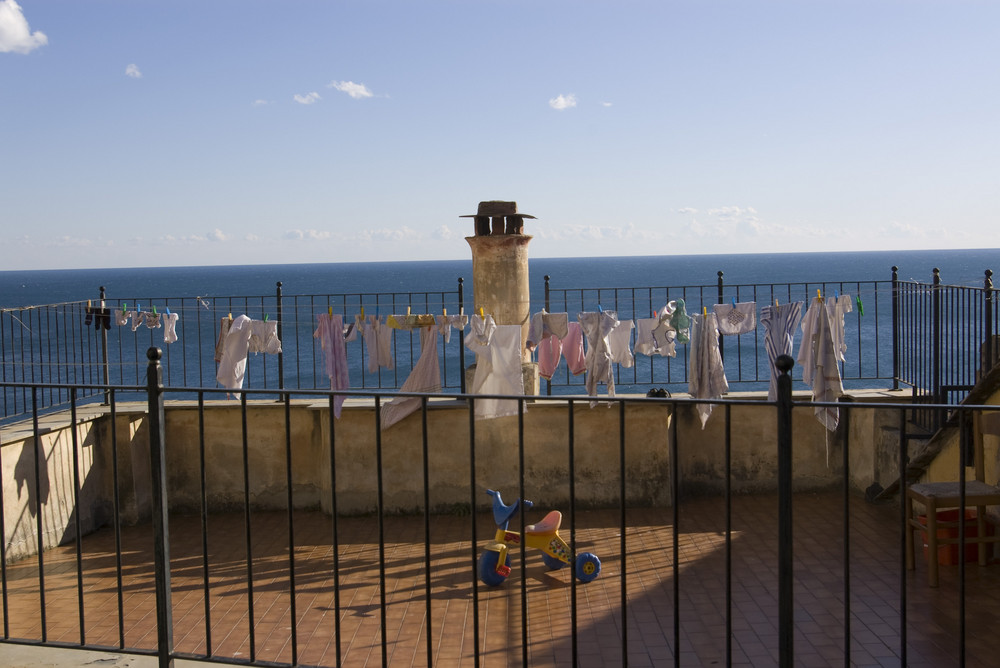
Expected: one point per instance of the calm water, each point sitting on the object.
(23, 288)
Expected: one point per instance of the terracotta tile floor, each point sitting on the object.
(932, 622)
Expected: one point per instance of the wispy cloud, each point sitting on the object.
(308, 98)
(306, 235)
(132, 70)
(687, 210)
(356, 90)
(260, 102)
(218, 235)
(607, 104)
(561, 102)
(15, 35)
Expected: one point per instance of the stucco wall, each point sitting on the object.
(312, 436)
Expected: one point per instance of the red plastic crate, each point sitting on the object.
(948, 554)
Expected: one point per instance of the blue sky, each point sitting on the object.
(144, 133)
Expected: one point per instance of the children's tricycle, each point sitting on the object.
(494, 563)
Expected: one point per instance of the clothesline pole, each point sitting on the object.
(281, 354)
(106, 369)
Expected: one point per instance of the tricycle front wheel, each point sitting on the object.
(488, 568)
(588, 566)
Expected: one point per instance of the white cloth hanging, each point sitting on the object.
(498, 365)
(446, 323)
(169, 327)
(820, 365)
(620, 342)
(838, 307)
(597, 326)
(424, 377)
(737, 318)
(264, 337)
(708, 376)
(233, 362)
(780, 322)
(646, 343)
(378, 339)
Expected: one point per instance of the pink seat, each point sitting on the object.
(549, 524)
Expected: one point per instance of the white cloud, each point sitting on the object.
(133, 71)
(606, 104)
(260, 102)
(443, 232)
(355, 90)
(218, 235)
(563, 102)
(687, 210)
(250, 236)
(15, 35)
(308, 98)
(306, 235)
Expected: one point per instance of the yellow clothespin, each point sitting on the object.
(407, 310)
(481, 312)
(704, 311)
(88, 303)
(362, 312)
(329, 311)
(444, 311)
(230, 315)
(776, 302)
(819, 296)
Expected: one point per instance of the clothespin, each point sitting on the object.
(88, 303)
(704, 311)
(481, 315)
(836, 294)
(819, 296)
(734, 302)
(444, 311)
(600, 309)
(329, 311)
(166, 308)
(407, 310)
(138, 307)
(266, 316)
(775, 302)
(154, 310)
(230, 314)
(124, 307)
(362, 312)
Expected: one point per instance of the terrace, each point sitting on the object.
(318, 541)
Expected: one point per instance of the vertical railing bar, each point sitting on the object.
(380, 509)
(161, 530)
(281, 333)
(521, 522)
(964, 434)
(786, 622)
(571, 447)
(203, 483)
(472, 516)
(77, 519)
(729, 534)
(332, 417)
(675, 542)
(248, 529)
(622, 539)
(38, 510)
(425, 463)
(846, 464)
(292, 608)
(4, 600)
(721, 286)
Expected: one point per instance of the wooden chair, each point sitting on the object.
(937, 495)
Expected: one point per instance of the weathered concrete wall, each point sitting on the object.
(39, 486)
(321, 449)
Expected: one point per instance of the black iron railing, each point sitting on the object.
(284, 571)
(934, 338)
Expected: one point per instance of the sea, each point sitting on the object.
(204, 294)
(957, 267)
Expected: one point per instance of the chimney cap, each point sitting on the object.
(497, 208)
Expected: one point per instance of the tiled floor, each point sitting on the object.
(932, 628)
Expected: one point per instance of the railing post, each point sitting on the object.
(548, 381)
(106, 371)
(281, 355)
(990, 358)
(722, 350)
(161, 538)
(896, 327)
(786, 620)
(936, 342)
(461, 342)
